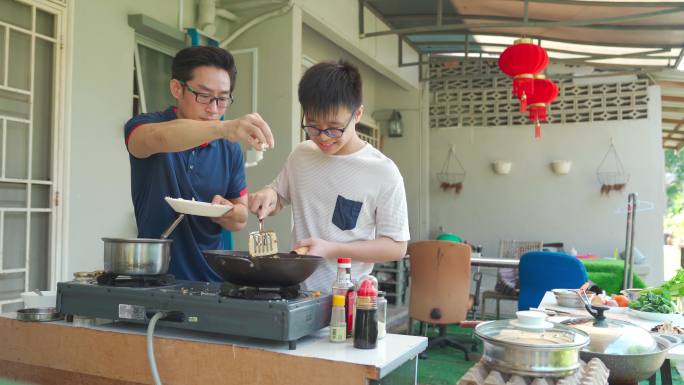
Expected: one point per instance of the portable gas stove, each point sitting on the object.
(281, 314)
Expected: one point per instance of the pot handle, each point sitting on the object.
(469, 324)
(672, 339)
(170, 229)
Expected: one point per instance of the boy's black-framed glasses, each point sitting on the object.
(330, 132)
(202, 98)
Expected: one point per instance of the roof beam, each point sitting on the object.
(588, 56)
(555, 23)
(509, 19)
(584, 3)
(670, 98)
(673, 121)
(670, 83)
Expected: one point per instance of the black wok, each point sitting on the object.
(277, 270)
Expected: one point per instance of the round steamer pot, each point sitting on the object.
(136, 256)
(530, 347)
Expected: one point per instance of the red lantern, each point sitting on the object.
(545, 92)
(522, 61)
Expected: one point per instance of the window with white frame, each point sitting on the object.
(152, 69)
(31, 81)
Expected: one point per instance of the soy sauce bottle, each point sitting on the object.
(366, 322)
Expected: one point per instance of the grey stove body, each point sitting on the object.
(207, 307)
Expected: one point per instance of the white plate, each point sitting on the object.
(518, 324)
(656, 316)
(203, 209)
(616, 309)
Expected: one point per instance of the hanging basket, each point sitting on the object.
(611, 173)
(452, 175)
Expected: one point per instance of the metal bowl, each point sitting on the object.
(631, 294)
(569, 298)
(38, 314)
(630, 368)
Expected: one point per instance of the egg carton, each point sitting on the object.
(592, 373)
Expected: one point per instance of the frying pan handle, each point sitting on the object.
(304, 250)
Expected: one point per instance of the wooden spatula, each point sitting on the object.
(262, 242)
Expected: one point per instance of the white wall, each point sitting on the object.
(98, 199)
(411, 151)
(532, 203)
(339, 22)
(278, 41)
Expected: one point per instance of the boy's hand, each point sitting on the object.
(263, 202)
(318, 247)
(250, 128)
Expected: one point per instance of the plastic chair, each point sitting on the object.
(440, 288)
(513, 250)
(541, 271)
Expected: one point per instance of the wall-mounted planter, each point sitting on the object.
(502, 167)
(561, 167)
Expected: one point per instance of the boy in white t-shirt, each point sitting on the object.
(347, 198)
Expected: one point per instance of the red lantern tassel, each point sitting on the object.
(523, 102)
(537, 130)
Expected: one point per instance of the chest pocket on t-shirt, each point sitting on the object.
(346, 213)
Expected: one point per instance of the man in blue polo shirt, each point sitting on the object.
(187, 152)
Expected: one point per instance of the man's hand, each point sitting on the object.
(250, 128)
(319, 247)
(234, 219)
(263, 202)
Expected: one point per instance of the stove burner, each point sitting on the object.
(261, 293)
(113, 279)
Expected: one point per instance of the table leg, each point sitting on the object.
(482, 310)
(666, 373)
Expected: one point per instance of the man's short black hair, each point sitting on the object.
(190, 58)
(328, 86)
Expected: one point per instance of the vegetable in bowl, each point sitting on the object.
(654, 303)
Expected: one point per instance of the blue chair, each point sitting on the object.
(541, 271)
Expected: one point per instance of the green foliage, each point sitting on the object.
(654, 303)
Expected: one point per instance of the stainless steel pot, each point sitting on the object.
(139, 256)
(546, 350)
(136, 256)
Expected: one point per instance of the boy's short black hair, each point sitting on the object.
(327, 86)
(189, 58)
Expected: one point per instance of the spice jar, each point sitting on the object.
(366, 322)
(382, 315)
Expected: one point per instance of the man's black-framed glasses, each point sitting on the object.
(202, 98)
(330, 132)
